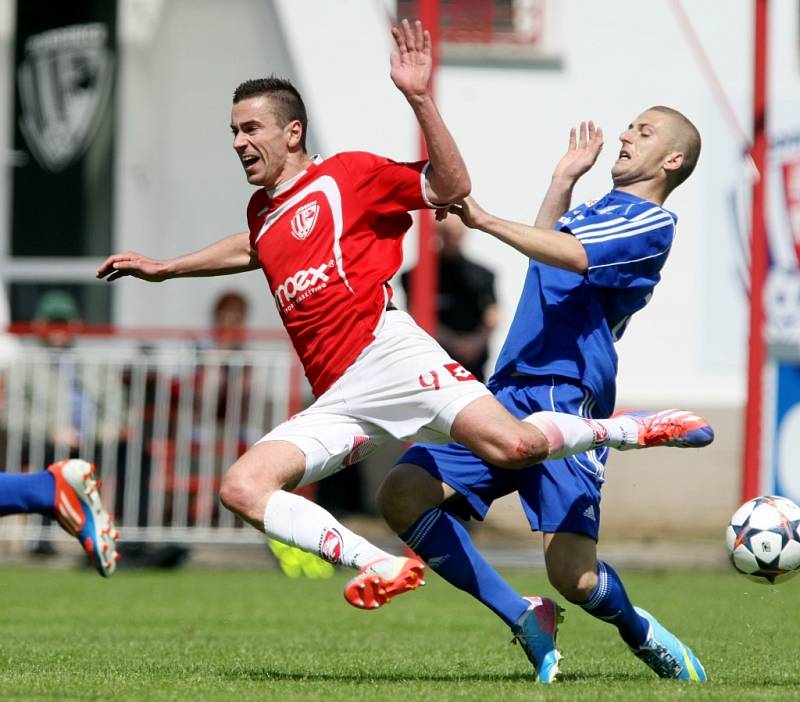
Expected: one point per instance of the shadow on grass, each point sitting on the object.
(267, 674)
(404, 676)
(606, 677)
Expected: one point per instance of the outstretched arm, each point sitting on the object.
(232, 254)
(554, 248)
(585, 145)
(447, 179)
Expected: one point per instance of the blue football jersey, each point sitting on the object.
(566, 323)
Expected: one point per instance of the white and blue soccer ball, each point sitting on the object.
(763, 539)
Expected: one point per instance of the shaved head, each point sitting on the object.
(685, 138)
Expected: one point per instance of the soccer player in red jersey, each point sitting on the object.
(328, 236)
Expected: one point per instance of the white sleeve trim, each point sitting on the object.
(633, 260)
(609, 222)
(623, 235)
(629, 227)
(428, 203)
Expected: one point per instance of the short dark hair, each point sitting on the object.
(686, 139)
(284, 98)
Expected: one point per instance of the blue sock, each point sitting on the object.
(610, 602)
(23, 493)
(447, 548)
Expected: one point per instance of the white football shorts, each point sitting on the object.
(403, 385)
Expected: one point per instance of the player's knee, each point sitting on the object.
(517, 449)
(404, 495)
(396, 502)
(573, 583)
(233, 493)
(241, 492)
(262, 470)
(489, 431)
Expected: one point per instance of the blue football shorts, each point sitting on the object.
(557, 496)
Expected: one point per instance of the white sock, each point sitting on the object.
(567, 434)
(623, 431)
(299, 522)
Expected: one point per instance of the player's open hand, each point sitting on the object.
(469, 212)
(411, 60)
(132, 264)
(585, 144)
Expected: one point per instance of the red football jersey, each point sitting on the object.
(328, 241)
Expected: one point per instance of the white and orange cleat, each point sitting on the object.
(80, 513)
(378, 582)
(672, 427)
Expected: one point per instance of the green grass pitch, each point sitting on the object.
(245, 635)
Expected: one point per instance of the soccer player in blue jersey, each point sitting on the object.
(591, 268)
(68, 491)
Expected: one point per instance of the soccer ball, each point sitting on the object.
(763, 539)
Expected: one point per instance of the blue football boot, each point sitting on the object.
(666, 655)
(536, 632)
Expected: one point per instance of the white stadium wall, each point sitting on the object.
(180, 187)
(690, 344)
(618, 59)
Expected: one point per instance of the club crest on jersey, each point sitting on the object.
(330, 546)
(304, 220)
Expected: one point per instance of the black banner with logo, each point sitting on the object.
(64, 127)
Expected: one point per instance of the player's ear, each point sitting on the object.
(294, 132)
(673, 161)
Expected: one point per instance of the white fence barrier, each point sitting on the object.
(162, 422)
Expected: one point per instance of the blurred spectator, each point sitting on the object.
(9, 344)
(466, 305)
(73, 401)
(229, 320)
(58, 400)
(221, 370)
(10, 349)
(57, 318)
(62, 397)
(218, 425)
